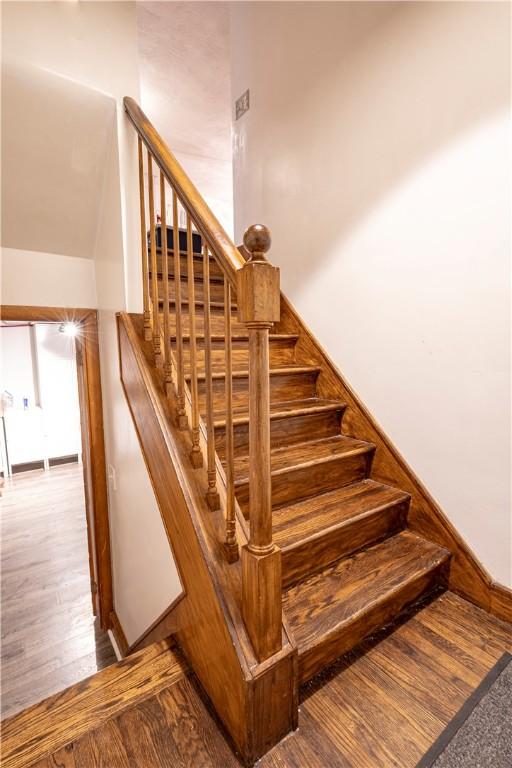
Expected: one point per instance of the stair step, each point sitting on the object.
(217, 323)
(281, 351)
(317, 531)
(305, 469)
(332, 611)
(216, 307)
(216, 274)
(291, 382)
(290, 422)
(216, 291)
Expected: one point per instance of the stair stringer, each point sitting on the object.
(257, 702)
(468, 577)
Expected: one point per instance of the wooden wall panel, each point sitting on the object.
(209, 627)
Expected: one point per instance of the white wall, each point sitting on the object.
(24, 427)
(381, 162)
(95, 45)
(41, 371)
(47, 279)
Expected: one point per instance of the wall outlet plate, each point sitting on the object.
(242, 105)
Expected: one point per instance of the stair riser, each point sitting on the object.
(314, 659)
(284, 431)
(215, 270)
(281, 354)
(217, 324)
(292, 386)
(313, 555)
(302, 482)
(216, 291)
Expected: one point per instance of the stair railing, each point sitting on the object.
(255, 283)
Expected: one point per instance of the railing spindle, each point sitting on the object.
(154, 267)
(195, 455)
(180, 367)
(165, 277)
(144, 247)
(212, 495)
(230, 543)
(256, 283)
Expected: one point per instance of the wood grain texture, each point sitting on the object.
(321, 529)
(291, 422)
(291, 382)
(501, 601)
(210, 628)
(378, 706)
(50, 637)
(333, 610)
(306, 469)
(61, 718)
(118, 632)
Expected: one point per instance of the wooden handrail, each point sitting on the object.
(255, 282)
(219, 242)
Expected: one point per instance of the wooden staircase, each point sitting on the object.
(297, 528)
(349, 564)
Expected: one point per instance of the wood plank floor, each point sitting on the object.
(382, 706)
(50, 638)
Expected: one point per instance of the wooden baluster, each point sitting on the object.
(144, 248)
(259, 307)
(196, 456)
(154, 267)
(180, 370)
(165, 278)
(230, 543)
(212, 495)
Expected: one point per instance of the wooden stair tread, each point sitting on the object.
(282, 409)
(294, 523)
(306, 454)
(243, 373)
(236, 337)
(331, 600)
(63, 717)
(198, 303)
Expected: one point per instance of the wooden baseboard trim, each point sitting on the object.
(501, 602)
(119, 635)
(27, 466)
(55, 461)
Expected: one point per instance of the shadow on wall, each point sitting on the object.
(417, 76)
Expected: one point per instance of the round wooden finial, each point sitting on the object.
(257, 240)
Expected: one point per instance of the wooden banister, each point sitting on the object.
(259, 306)
(219, 242)
(256, 284)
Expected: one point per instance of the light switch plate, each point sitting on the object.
(242, 105)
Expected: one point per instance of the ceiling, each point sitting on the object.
(185, 81)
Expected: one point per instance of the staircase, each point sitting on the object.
(349, 564)
(297, 528)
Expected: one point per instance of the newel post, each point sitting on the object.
(259, 307)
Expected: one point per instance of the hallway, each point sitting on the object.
(50, 638)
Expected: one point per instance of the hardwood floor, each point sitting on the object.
(50, 638)
(381, 706)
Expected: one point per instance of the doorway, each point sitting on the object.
(56, 577)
